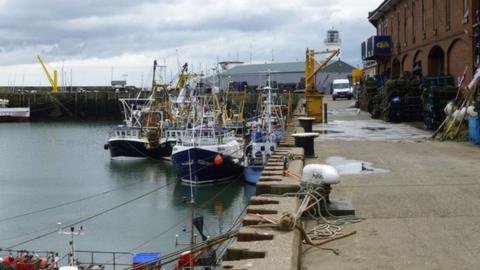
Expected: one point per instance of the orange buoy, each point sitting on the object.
(218, 161)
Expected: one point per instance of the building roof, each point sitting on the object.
(375, 15)
(338, 66)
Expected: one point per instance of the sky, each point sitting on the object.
(94, 41)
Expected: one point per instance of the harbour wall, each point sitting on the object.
(104, 105)
(66, 106)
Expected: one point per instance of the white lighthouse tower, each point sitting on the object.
(333, 40)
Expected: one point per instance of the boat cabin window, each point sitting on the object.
(262, 148)
(123, 133)
(129, 133)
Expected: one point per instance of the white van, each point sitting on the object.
(341, 89)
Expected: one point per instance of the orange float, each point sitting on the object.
(218, 161)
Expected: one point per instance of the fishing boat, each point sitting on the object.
(258, 151)
(142, 135)
(15, 114)
(265, 135)
(208, 152)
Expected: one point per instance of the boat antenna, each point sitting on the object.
(154, 71)
(72, 232)
(269, 102)
(165, 71)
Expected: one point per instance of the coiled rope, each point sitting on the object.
(329, 227)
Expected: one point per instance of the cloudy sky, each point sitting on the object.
(93, 39)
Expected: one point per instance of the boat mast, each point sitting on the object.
(192, 200)
(151, 116)
(269, 103)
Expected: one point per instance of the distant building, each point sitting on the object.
(336, 70)
(288, 75)
(424, 37)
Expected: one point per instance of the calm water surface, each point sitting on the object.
(48, 164)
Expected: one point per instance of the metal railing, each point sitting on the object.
(105, 258)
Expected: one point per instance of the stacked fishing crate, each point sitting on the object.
(365, 96)
(412, 109)
(438, 91)
(398, 100)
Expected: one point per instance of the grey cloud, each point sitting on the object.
(83, 29)
(56, 28)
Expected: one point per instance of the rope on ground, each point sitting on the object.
(329, 227)
(294, 175)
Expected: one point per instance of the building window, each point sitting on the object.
(398, 27)
(391, 25)
(423, 18)
(465, 11)
(413, 21)
(405, 25)
(447, 14)
(434, 16)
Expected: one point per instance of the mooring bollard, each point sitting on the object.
(325, 113)
(305, 140)
(306, 123)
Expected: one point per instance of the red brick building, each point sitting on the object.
(432, 36)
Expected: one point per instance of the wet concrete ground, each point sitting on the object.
(349, 124)
(423, 212)
(346, 166)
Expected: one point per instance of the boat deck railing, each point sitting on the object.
(206, 137)
(114, 259)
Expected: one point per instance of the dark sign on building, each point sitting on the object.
(377, 46)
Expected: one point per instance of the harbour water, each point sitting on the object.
(63, 166)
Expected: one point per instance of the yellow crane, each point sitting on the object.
(53, 81)
(313, 99)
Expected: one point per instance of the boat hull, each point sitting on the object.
(135, 149)
(15, 114)
(197, 166)
(251, 174)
